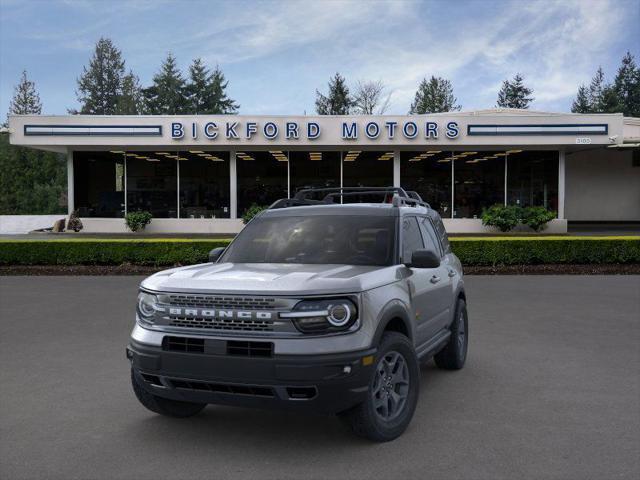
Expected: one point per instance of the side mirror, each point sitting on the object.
(214, 254)
(424, 259)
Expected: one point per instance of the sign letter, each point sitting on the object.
(177, 130)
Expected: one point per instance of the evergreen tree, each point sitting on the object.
(206, 91)
(581, 104)
(25, 99)
(596, 91)
(100, 85)
(514, 94)
(433, 96)
(627, 86)
(130, 101)
(167, 95)
(338, 101)
(31, 181)
(196, 89)
(219, 102)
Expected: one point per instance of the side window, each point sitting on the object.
(430, 239)
(442, 234)
(411, 238)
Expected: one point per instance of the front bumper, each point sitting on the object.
(326, 383)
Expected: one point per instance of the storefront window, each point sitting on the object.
(367, 169)
(262, 178)
(478, 182)
(532, 178)
(429, 173)
(314, 169)
(152, 183)
(99, 184)
(204, 184)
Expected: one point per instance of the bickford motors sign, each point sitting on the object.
(294, 130)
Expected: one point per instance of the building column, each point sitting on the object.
(70, 183)
(561, 178)
(396, 168)
(233, 185)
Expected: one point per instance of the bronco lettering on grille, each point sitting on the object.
(209, 313)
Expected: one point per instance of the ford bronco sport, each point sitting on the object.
(323, 305)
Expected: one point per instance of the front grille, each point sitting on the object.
(183, 344)
(250, 349)
(253, 390)
(222, 302)
(227, 324)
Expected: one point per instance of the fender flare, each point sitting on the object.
(394, 309)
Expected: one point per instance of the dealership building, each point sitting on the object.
(199, 174)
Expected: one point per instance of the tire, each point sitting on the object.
(164, 406)
(454, 354)
(368, 419)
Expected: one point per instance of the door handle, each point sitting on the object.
(452, 273)
(435, 279)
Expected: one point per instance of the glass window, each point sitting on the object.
(532, 179)
(428, 172)
(429, 236)
(315, 239)
(204, 184)
(152, 183)
(367, 169)
(262, 178)
(99, 184)
(479, 182)
(411, 238)
(442, 234)
(314, 169)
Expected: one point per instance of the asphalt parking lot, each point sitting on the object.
(551, 390)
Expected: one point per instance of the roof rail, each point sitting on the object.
(399, 196)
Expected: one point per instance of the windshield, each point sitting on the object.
(349, 240)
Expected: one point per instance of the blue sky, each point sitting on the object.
(276, 53)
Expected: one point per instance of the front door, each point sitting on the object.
(427, 286)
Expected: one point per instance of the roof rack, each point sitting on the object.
(397, 196)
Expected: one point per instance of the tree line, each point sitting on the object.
(33, 181)
(106, 88)
(435, 95)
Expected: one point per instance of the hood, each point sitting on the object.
(271, 279)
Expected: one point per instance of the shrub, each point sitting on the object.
(251, 212)
(72, 251)
(541, 250)
(74, 223)
(537, 217)
(137, 220)
(168, 252)
(505, 218)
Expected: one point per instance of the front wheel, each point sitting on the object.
(164, 406)
(454, 354)
(392, 395)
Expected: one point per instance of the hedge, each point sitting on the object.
(107, 252)
(470, 250)
(540, 250)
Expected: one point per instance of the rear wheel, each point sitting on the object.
(164, 406)
(454, 354)
(392, 395)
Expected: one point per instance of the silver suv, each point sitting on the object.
(319, 304)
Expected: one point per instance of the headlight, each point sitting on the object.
(146, 306)
(323, 316)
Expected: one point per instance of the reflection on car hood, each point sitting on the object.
(271, 279)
